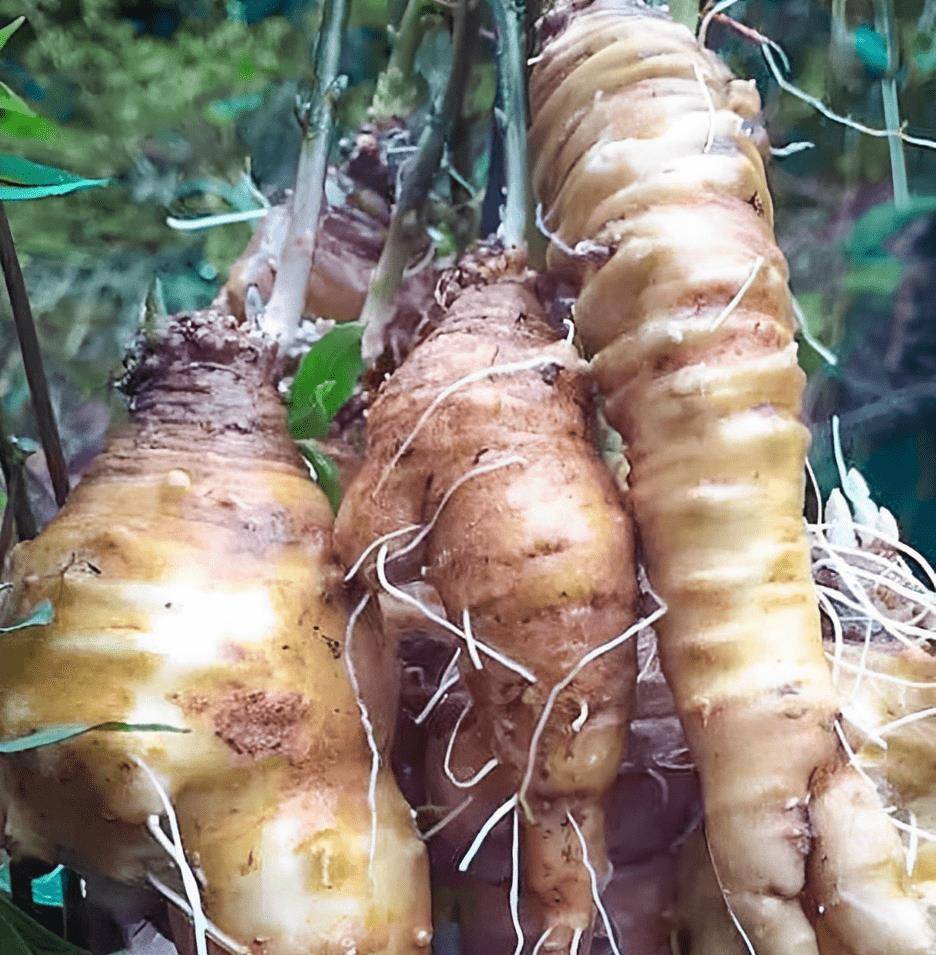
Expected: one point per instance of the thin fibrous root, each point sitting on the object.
(484, 771)
(515, 882)
(510, 368)
(593, 879)
(451, 815)
(411, 601)
(449, 678)
(214, 933)
(368, 727)
(189, 882)
(589, 657)
(485, 830)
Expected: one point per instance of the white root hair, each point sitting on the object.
(446, 819)
(593, 879)
(707, 19)
(827, 355)
(818, 105)
(731, 912)
(885, 677)
(492, 371)
(907, 720)
(515, 882)
(426, 529)
(589, 657)
(411, 601)
(791, 149)
(470, 641)
(710, 105)
(373, 545)
(368, 727)
(576, 941)
(580, 720)
(447, 680)
(739, 295)
(484, 771)
(541, 941)
(478, 841)
(826, 606)
(176, 852)
(211, 930)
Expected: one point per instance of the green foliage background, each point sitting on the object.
(174, 98)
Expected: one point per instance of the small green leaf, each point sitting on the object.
(60, 734)
(881, 276)
(11, 102)
(325, 381)
(21, 935)
(880, 222)
(41, 615)
(22, 179)
(327, 475)
(9, 30)
(871, 49)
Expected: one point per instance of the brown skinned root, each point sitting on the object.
(482, 440)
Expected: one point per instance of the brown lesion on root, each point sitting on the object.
(261, 723)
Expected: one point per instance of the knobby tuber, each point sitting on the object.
(652, 183)
(350, 237)
(481, 480)
(194, 586)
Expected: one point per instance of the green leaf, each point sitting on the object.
(22, 179)
(871, 49)
(327, 475)
(41, 615)
(881, 276)
(20, 935)
(12, 102)
(879, 223)
(60, 734)
(9, 30)
(325, 381)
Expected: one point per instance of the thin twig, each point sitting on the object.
(17, 512)
(284, 310)
(32, 362)
(511, 80)
(884, 20)
(417, 181)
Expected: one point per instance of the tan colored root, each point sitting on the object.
(480, 446)
(689, 319)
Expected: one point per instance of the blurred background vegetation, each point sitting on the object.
(188, 104)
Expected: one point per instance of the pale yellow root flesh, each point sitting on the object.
(193, 585)
(659, 186)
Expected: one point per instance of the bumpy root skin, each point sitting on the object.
(193, 585)
(666, 229)
(532, 550)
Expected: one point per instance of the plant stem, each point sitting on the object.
(461, 147)
(284, 310)
(884, 21)
(17, 512)
(511, 72)
(417, 181)
(406, 42)
(32, 362)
